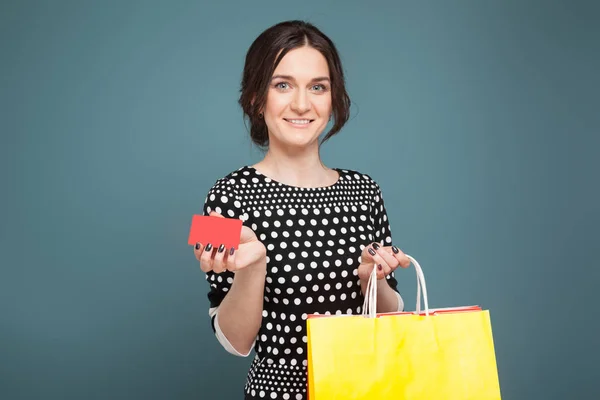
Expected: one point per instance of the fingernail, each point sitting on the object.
(221, 248)
(395, 249)
(231, 251)
(372, 252)
(379, 267)
(198, 245)
(375, 246)
(208, 247)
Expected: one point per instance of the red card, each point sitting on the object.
(216, 231)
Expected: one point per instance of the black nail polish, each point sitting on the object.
(395, 249)
(372, 252)
(208, 247)
(379, 267)
(198, 245)
(221, 248)
(231, 251)
(375, 246)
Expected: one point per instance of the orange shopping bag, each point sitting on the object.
(438, 354)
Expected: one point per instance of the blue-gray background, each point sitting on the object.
(479, 119)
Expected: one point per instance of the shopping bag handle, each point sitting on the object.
(370, 303)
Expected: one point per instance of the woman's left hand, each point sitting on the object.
(385, 259)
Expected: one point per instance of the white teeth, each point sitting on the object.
(299, 121)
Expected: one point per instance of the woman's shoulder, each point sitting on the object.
(231, 180)
(365, 178)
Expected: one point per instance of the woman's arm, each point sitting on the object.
(239, 315)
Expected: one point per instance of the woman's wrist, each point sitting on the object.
(255, 270)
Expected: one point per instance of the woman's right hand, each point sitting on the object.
(217, 258)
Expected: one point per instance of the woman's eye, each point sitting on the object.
(282, 85)
(319, 88)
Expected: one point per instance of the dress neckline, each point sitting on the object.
(332, 186)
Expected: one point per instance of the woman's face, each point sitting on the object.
(299, 98)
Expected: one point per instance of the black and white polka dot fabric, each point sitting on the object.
(314, 238)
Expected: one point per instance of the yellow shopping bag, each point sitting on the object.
(438, 354)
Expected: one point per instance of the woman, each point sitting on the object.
(311, 234)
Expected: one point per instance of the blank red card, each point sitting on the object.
(216, 231)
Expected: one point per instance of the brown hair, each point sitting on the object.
(262, 58)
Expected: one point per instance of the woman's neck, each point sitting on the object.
(302, 168)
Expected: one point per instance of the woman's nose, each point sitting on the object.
(301, 103)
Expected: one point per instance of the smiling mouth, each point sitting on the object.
(299, 121)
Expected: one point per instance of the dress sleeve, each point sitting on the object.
(383, 235)
(221, 198)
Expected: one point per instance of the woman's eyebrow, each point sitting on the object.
(291, 78)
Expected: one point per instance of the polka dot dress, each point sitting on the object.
(314, 238)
